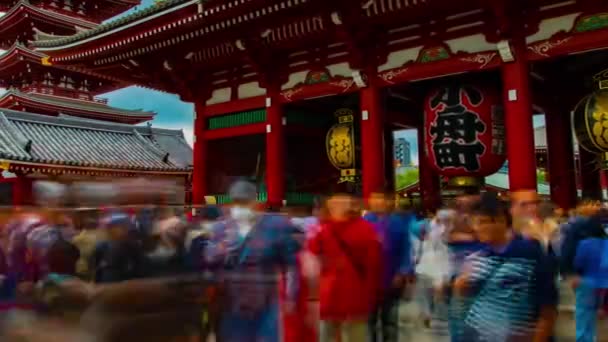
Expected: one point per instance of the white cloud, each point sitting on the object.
(188, 131)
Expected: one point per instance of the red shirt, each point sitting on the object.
(347, 291)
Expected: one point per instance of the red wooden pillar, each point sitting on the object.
(389, 158)
(275, 149)
(372, 139)
(430, 184)
(199, 173)
(562, 170)
(589, 175)
(518, 119)
(22, 190)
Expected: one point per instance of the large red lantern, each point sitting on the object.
(464, 130)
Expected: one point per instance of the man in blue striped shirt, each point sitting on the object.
(510, 283)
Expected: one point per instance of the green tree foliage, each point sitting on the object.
(407, 178)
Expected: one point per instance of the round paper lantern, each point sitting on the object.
(464, 130)
(590, 120)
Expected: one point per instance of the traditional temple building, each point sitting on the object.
(52, 122)
(272, 80)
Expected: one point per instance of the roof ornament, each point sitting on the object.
(46, 61)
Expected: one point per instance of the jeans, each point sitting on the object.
(384, 321)
(349, 331)
(586, 313)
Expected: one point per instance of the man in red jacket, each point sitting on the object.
(350, 255)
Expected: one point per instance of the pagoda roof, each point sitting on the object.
(24, 7)
(20, 57)
(81, 143)
(99, 9)
(75, 107)
(137, 17)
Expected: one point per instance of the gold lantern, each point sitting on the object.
(590, 119)
(340, 145)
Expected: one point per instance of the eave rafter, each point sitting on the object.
(366, 44)
(269, 65)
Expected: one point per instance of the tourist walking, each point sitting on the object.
(350, 255)
(393, 231)
(248, 251)
(510, 283)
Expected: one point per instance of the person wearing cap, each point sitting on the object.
(119, 258)
(247, 251)
(512, 290)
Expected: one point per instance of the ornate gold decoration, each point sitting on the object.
(5, 165)
(483, 59)
(389, 76)
(46, 61)
(590, 117)
(544, 47)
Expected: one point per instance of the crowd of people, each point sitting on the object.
(480, 269)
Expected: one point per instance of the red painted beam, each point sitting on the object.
(336, 86)
(402, 119)
(457, 64)
(232, 132)
(236, 106)
(568, 44)
(303, 131)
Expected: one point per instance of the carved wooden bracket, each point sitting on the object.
(269, 65)
(367, 45)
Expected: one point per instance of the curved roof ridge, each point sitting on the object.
(40, 35)
(16, 139)
(152, 147)
(88, 106)
(60, 16)
(68, 122)
(116, 23)
(18, 46)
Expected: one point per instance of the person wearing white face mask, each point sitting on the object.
(248, 250)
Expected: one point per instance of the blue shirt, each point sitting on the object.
(591, 262)
(510, 287)
(394, 233)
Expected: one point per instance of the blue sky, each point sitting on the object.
(171, 112)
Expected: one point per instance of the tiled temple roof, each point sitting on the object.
(76, 142)
(87, 108)
(49, 40)
(24, 5)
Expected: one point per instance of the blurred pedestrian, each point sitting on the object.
(247, 251)
(512, 289)
(350, 253)
(393, 230)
